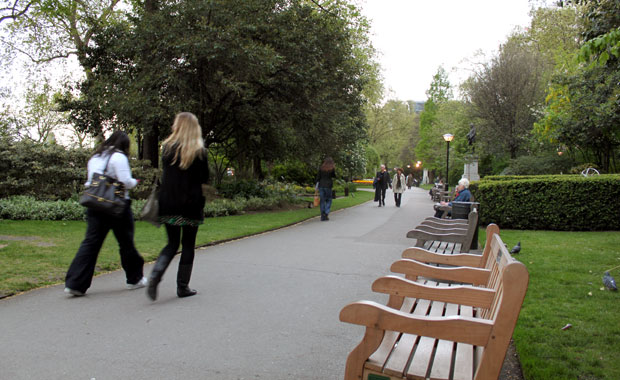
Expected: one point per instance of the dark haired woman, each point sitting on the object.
(181, 200)
(110, 156)
(324, 179)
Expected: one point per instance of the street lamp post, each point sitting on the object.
(448, 137)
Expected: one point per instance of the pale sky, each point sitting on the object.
(415, 37)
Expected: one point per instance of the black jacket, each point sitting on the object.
(181, 189)
(382, 180)
(324, 178)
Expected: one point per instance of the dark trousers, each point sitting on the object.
(397, 198)
(180, 235)
(80, 274)
(382, 196)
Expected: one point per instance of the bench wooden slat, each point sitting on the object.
(378, 359)
(397, 363)
(442, 361)
(421, 360)
(464, 357)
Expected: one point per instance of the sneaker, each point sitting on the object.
(74, 292)
(140, 284)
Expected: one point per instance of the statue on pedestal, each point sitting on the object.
(471, 137)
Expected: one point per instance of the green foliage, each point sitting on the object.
(52, 172)
(542, 164)
(44, 171)
(563, 202)
(294, 171)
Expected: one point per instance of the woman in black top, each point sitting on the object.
(181, 200)
(324, 179)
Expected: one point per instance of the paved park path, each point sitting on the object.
(267, 308)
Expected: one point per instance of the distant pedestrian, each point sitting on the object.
(111, 157)
(181, 200)
(398, 184)
(327, 171)
(381, 182)
(410, 180)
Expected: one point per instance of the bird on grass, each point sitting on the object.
(516, 249)
(609, 281)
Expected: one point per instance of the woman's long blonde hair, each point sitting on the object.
(185, 139)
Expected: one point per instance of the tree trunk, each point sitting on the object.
(150, 147)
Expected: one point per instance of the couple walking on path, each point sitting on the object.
(181, 204)
(382, 181)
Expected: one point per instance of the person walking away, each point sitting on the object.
(112, 152)
(399, 186)
(181, 200)
(327, 171)
(381, 182)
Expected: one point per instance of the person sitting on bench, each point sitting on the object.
(464, 196)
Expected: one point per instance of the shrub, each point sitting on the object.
(562, 202)
(294, 171)
(542, 164)
(52, 172)
(241, 189)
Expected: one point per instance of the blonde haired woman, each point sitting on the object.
(181, 200)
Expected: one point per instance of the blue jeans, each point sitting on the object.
(80, 273)
(326, 199)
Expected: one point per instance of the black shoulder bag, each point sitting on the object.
(105, 194)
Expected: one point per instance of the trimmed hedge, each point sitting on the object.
(560, 202)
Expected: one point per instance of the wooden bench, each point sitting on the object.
(433, 330)
(453, 238)
(454, 259)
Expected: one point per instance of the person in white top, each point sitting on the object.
(112, 152)
(398, 186)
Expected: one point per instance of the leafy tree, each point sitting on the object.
(268, 80)
(431, 144)
(12, 9)
(506, 95)
(391, 127)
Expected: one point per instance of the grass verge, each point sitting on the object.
(38, 253)
(566, 270)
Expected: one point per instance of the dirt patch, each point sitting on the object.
(34, 239)
(511, 370)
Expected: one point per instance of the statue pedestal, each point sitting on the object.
(425, 177)
(471, 169)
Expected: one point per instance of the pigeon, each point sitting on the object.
(609, 281)
(516, 249)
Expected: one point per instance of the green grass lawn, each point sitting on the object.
(43, 258)
(566, 270)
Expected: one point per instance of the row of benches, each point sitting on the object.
(451, 316)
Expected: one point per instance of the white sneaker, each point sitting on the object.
(74, 292)
(140, 284)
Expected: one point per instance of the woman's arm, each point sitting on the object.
(120, 165)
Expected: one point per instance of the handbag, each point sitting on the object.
(150, 210)
(317, 200)
(105, 194)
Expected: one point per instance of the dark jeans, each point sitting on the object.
(174, 240)
(326, 199)
(80, 274)
(397, 198)
(382, 196)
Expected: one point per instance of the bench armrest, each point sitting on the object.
(474, 276)
(426, 256)
(462, 295)
(474, 331)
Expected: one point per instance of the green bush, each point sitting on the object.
(23, 207)
(562, 202)
(294, 171)
(52, 172)
(542, 164)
